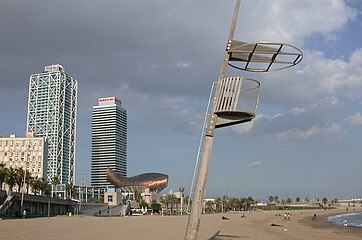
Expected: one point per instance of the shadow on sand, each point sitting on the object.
(218, 236)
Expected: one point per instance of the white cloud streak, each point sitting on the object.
(293, 134)
(255, 164)
(355, 119)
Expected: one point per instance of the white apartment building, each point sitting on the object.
(29, 151)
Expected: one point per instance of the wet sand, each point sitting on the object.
(255, 225)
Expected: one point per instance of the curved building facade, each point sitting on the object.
(154, 181)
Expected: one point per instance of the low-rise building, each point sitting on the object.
(29, 151)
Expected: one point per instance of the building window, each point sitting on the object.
(110, 198)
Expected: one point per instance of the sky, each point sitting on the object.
(160, 59)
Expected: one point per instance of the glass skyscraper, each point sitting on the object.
(52, 108)
(109, 140)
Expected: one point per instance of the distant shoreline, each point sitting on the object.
(322, 222)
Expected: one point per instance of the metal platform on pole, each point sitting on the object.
(234, 101)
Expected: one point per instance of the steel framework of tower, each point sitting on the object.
(227, 103)
(52, 108)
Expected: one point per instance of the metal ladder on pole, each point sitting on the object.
(201, 143)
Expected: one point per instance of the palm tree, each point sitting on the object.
(210, 205)
(251, 202)
(335, 202)
(34, 184)
(235, 203)
(69, 188)
(219, 204)
(169, 200)
(324, 200)
(247, 203)
(3, 174)
(271, 199)
(297, 199)
(55, 182)
(19, 178)
(289, 201)
(276, 199)
(172, 200)
(11, 178)
(137, 196)
(45, 188)
(163, 201)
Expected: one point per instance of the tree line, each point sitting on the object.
(14, 179)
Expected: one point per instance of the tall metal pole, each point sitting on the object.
(23, 192)
(193, 224)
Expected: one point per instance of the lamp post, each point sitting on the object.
(24, 184)
(228, 106)
(181, 190)
(22, 193)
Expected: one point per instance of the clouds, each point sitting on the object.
(160, 58)
(183, 64)
(292, 134)
(293, 21)
(336, 76)
(298, 123)
(355, 119)
(314, 101)
(255, 164)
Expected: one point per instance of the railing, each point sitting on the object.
(237, 100)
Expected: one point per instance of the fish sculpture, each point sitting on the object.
(155, 181)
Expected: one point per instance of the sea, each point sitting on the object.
(348, 219)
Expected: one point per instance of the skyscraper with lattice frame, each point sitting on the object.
(52, 108)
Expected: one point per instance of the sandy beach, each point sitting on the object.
(255, 225)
